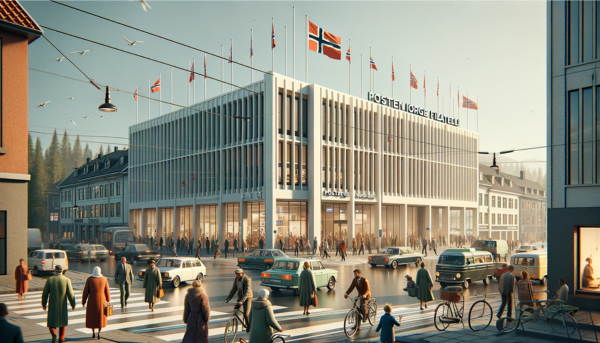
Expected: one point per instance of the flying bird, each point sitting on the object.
(81, 52)
(99, 115)
(44, 104)
(130, 42)
(144, 4)
(72, 121)
(60, 59)
(85, 117)
(70, 98)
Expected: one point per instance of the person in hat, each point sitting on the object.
(57, 291)
(97, 295)
(242, 287)
(10, 332)
(152, 284)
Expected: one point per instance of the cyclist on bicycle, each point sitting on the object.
(364, 292)
(242, 286)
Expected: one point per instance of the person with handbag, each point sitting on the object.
(97, 295)
(307, 288)
(124, 278)
(196, 314)
(153, 285)
(22, 278)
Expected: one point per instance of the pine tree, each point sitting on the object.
(76, 154)
(86, 152)
(65, 152)
(38, 187)
(54, 165)
(100, 151)
(108, 149)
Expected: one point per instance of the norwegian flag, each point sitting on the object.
(413, 81)
(393, 74)
(251, 49)
(135, 95)
(424, 81)
(231, 53)
(348, 55)
(273, 45)
(468, 103)
(156, 87)
(324, 42)
(389, 138)
(373, 66)
(192, 75)
(205, 66)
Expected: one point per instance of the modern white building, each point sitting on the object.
(100, 191)
(286, 160)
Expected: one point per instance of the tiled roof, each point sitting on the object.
(115, 167)
(12, 12)
(517, 184)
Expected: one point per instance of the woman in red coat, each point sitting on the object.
(21, 279)
(96, 294)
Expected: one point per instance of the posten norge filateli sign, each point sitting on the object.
(416, 110)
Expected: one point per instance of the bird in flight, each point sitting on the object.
(81, 52)
(60, 59)
(70, 98)
(84, 117)
(72, 121)
(44, 104)
(130, 42)
(99, 115)
(144, 4)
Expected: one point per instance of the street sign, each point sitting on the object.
(274, 231)
(427, 229)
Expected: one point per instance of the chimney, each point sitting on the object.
(493, 180)
(522, 176)
(502, 181)
(116, 148)
(99, 156)
(88, 160)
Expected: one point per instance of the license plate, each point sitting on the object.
(274, 280)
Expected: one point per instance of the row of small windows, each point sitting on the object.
(292, 117)
(297, 157)
(498, 219)
(96, 166)
(583, 166)
(581, 46)
(92, 211)
(93, 192)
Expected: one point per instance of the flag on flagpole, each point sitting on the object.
(192, 75)
(273, 30)
(156, 87)
(393, 74)
(424, 81)
(413, 81)
(348, 55)
(468, 103)
(438, 89)
(373, 66)
(135, 95)
(389, 138)
(205, 66)
(324, 42)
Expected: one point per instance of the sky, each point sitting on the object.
(495, 51)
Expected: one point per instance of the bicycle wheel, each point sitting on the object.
(231, 330)
(351, 323)
(507, 324)
(372, 313)
(277, 339)
(442, 311)
(563, 325)
(480, 315)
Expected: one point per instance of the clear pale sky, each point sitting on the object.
(494, 50)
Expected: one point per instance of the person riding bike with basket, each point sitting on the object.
(364, 292)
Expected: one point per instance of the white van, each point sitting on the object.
(46, 259)
(34, 239)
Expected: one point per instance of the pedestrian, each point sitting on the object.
(424, 285)
(124, 278)
(325, 250)
(198, 251)
(505, 287)
(10, 333)
(343, 250)
(525, 289)
(151, 242)
(160, 243)
(362, 247)
(226, 246)
(315, 245)
(178, 243)
(21, 282)
(262, 320)
(207, 246)
(96, 294)
(424, 243)
(281, 245)
(386, 325)
(57, 291)
(235, 246)
(175, 250)
(368, 245)
(190, 247)
(434, 246)
(337, 246)
(152, 284)
(296, 247)
(307, 288)
(217, 251)
(244, 247)
(196, 314)
(301, 244)
(321, 250)
(261, 243)
(354, 246)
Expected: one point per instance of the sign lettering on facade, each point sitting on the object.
(416, 110)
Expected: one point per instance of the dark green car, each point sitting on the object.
(261, 259)
(285, 274)
(463, 267)
(137, 252)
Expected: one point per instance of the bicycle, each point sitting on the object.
(449, 312)
(278, 338)
(481, 313)
(231, 328)
(353, 316)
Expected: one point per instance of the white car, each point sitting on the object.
(178, 269)
(45, 260)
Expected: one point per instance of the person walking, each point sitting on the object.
(506, 286)
(262, 320)
(261, 243)
(151, 242)
(525, 289)
(124, 278)
(354, 246)
(242, 287)
(160, 243)
(325, 250)
(196, 314)
(10, 333)
(424, 243)
(315, 242)
(424, 286)
(301, 245)
(57, 291)
(235, 246)
(434, 246)
(21, 282)
(96, 294)
(343, 250)
(152, 284)
(226, 247)
(175, 250)
(307, 288)
(368, 245)
(296, 247)
(281, 245)
(362, 247)
(207, 246)
(190, 246)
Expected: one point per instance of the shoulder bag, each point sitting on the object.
(314, 300)
(109, 310)
(28, 276)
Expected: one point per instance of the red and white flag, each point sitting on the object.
(192, 75)
(393, 74)
(324, 42)
(424, 81)
(156, 87)
(273, 45)
(348, 55)
(135, 95)
(413, 81)
(468, 103)
(373, 65)
(438, 89)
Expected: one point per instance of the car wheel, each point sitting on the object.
(267, 266)
(176, 282)
(466, 283)
(331, 283)
(394, 264)
(486, 281)
(418, 261)
(36, 272)
(543, 281)
(200, 277)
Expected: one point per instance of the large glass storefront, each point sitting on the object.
(186, 219)
(232, 224)
(207, 222)
(415, 221)
(291, 224)
(390, 226)
(167, 223)
(334, 223)
(256, 223)
(364, 224)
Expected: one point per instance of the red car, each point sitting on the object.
(501, 268)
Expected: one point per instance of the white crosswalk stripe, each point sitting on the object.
(82, 311)
(37, 302)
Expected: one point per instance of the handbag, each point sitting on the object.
(109, 310)
(160, 293)
(314, 301)
(28, 277)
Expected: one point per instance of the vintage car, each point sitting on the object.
(463, 267)
(498, 248)
(137, 252)
(63, 244)
(176, 270)
(394, 256)
(45, 260)
(285, 274)
(501, 268)
(261, 259)
(526, 248)
(92, 252)
(534, 262)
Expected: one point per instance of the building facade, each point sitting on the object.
(53, 213)
(17, 31)
(286, 161)
(573, 160)
(95, 196)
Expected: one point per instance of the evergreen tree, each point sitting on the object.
(65, 152)
(54, 164)
(108, 149)
(100, 151)
(38, 187)
(76, 154)
(86, 153)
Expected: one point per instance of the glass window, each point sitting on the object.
(588, 29)
(281, 113)
(588, 240)
(315, 265)
(493, 201)
(304, 118)
(448, 259)
(573, 138)
(573, 32)
(587, 114)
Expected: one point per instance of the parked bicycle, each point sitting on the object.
(236, 319)
(353, 316)
(481, 313)
(452, 311)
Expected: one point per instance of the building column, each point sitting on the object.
(242, 221)
(314, 169)
(194, 224)
(176, 221)
(220, 234)
(428, 227)
(404, 224)
(446, 223)
(475, 222)
(245, 221)
(158, 225)
(463, 220)
(144, 226)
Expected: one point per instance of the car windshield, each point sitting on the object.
(86, 248)
(99, 247)
(449, 259)
(141, 247)
(168, 263)
(285, 265)
(123, 237)
(50, 255)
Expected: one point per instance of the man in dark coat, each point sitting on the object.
(434, 246)
(10, 332)
(160, 243)
(57, 291)
(424, 243)
(226, 246)
(235, 246)
(242, 287)
(261, 243)
(207, 245)
(315, 245)
(191, 247)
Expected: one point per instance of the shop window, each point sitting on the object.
(588, 241)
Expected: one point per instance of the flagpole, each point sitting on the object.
(294, 44)
(424, 89)
(205, 77)
(392, 77)
(349, 71)
(149, 95)
(272, 48)
(361, 75)
(478, 115)
(171, 80)
(306, 46)
(457, 105)
(286, 50)
(194, 65)
(251, 58)
(438, 96)
(137, 110)
(231, 62)
(188, 86)
(467, 110)
(222, 88)
(160, 96)
(410, 85)
(450, 103)
(370, 70)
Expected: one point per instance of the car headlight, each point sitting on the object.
(458, 275)
(165, 274)
(141, 274)
(437, 273)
